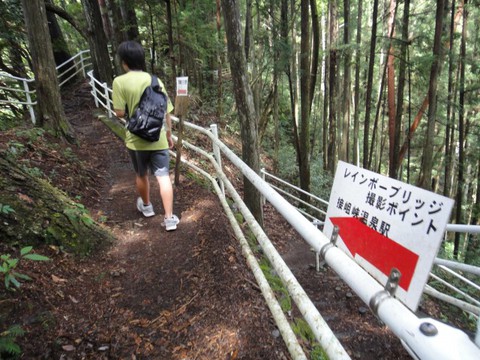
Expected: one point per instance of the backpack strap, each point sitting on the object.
(155, 83)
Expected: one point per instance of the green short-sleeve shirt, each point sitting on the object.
(127, 91)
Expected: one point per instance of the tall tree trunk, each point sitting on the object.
(118, 33)
(427, 161)
(401, 86)
(449, 133)
(153, 37)
(51, 113)
(461, 134)
(332, 86)
(102, 66)
(248, 29)
(171, 53)
(473, 248)
(304, 164)
(289, 61)
(292, 77)
(375, 129)
(219, 61)
(346, 94)
(317, 115)
(105, 20)
(130, 19)
(276, 56)
(422, 108)
(255, 61)
(368, 97)
(356, 98)
(244, 102)
(315, 49)
(60, 48)
(392, 126)
(326, 91)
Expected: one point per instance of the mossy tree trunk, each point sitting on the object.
(49, 103)
(33, 212)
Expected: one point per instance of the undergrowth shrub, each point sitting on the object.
(9, 349)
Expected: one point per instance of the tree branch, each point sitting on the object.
(67, 17)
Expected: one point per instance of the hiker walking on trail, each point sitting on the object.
(127, 91)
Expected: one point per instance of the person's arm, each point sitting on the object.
(118, 100)
(119, 113)
(168, 129)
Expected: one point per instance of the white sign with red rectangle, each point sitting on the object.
(182, 86)
(385, 224)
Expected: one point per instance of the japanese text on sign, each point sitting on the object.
(393, 201)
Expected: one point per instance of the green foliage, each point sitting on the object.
(11, 25)
(320, 180)
(8, 266)
(69, 154)
(15, 149)
(79, 212)
(277, 285)
(31, 134)
(302, 329)
(7, 341)
(6, 209)
(317, 353)
(74, 40)
(33, 171)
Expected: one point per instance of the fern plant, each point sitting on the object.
(8, 346)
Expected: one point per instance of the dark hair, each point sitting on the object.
(132, 54)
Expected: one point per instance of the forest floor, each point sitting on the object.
(152, 294)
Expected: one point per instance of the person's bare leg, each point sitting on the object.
(166, 193)
(143, 188)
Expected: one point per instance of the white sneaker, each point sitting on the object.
(171, 223)
(146, 210)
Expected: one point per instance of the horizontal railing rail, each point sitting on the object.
(17, 85)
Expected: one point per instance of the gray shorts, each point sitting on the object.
(158, 161)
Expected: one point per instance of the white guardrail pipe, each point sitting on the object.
(424, 338)
(283, 325)
(319, 327)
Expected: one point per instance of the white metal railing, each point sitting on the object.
(102, 94)
(424, 338)
(70, 68)
(321, 330)
(18, 85)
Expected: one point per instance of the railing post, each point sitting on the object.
(94, 88)
(107, 100)
(262, 174)
(318, 263)
(477, 336)
(216, 153)
(82, 65)
(29, 101)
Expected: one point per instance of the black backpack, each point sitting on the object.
(147, 120)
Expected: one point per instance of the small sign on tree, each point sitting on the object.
(182, 102)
